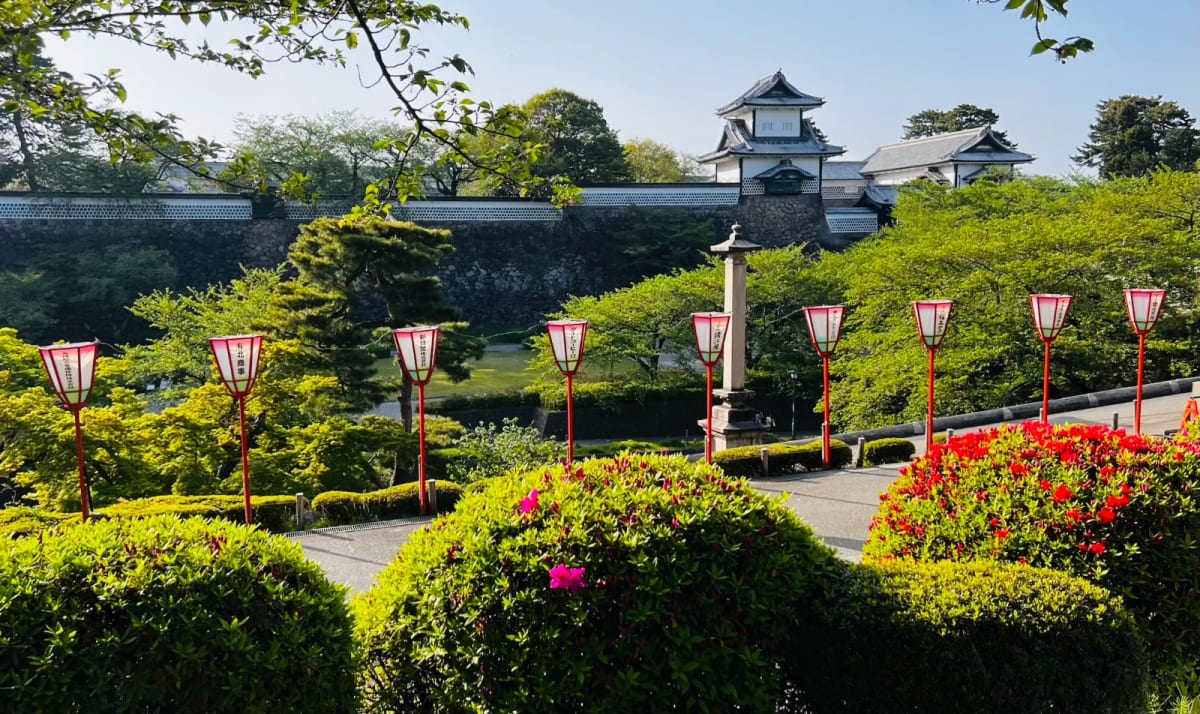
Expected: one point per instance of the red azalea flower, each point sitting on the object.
(1117, 501)
(1002, 533)
(1046, 485)
(994, 522)
(1062, 493)
(1106, 515)
(569, 579)
(1074, 515)
(1097, 548)
(1018, 469)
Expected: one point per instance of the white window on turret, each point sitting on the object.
(789, 126)
(766, 125)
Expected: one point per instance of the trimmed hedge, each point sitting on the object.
(746, 461)
(968, 637)
(274, 513)
(888, 451)
(619, 585)
(487, 400)
(18, 521)
(164, 615)
(343, 507)
(1115, 508)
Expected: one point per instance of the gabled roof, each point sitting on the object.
(785, 166)
(941, 148)
(738, 140)
(772, 91)
(878, 195)
(843, 171)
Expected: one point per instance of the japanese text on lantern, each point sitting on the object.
(573, 343)
(422, 351)
(240, 362)
(68, 374)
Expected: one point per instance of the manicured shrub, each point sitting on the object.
(273, 513)
(1114, 508)
(627, 584)
(487, 451)
(887, 451)
(403, 501)
(17, 521)
(490, 400)
(947, 638)
(746, 461)
(164, 615)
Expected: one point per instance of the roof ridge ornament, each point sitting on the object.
(735, 243)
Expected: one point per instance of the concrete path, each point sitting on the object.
(837, 504)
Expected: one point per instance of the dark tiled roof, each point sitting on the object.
(843, 170)
(785, 166)
(738, 140)
(938, 149)
(877, 195)
(772, 91)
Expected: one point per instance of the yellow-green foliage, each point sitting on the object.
(274, 513)
(169, 615)
(782, 458)
(18, 521)
(344, 507)
(968, 637)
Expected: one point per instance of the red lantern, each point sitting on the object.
(1049, 317)
(417, 350)
(72, 371)
(1144, 307)
(933, 319)
(710, 329)
(237, 362)
(567, 340)
(825, 329)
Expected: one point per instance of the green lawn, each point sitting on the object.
(496, 372)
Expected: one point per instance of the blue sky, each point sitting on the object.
(660, 67)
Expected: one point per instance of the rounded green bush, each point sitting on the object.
(18, 521)
(626, 584)
(274, 513)
(968, 637)
(164, 615)
(783, 458)
(887, 451)
(1117, 509)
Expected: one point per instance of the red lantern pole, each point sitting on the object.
(417, 350)
(825, 329)
(933, 318)
(245, 459)
(72, 370)
(567, 340)
(85, 502)
(237, 359)
(710, 329)
(1049, 317)
(1144, 306)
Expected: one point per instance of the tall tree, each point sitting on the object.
(362, 275)
(652, 162)
(426, 86)
(1134, 135)
(940, 121)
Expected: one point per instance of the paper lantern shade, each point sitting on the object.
(72, 370)
(567, 340)
(825, 327)
(710, 329)
(417, 348)
(237, 361)
(1144, 307)
(933, 317)
(1050, 314)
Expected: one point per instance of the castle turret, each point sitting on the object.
(769, 145)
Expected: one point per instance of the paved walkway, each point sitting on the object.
(837, 504)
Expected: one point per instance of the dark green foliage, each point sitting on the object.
(337, 508)
(985, 638)
(889, 451)
(660, 240)
(964, 116)
(553, 395)
(1133, 136)
(692, 584)
(782, 458)
(510, 398)
(164, 615)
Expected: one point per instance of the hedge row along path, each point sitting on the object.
(837, 504)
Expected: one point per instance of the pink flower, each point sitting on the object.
(530, 503)
(569, 579)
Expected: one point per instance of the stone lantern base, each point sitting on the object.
(735, 422)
